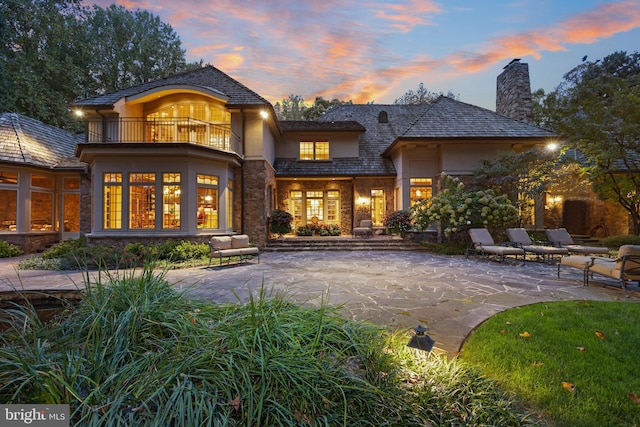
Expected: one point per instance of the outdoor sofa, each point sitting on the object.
(232, 246)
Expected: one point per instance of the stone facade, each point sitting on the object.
(258, 183)
(351, 213)
(513, 97)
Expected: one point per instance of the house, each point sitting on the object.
(40, 183)
(199, 154)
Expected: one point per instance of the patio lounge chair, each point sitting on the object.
(483, 243)
(560, 237)
(520, 238)
(625, 268)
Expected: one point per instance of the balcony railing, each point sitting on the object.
(220, 137)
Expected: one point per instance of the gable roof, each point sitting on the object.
(27, 141)
(207, 77)
(448, 118)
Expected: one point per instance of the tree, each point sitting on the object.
(597, 110)
(40, 58)
(53, 52)
(422, 95)
(524, 176)
(291, 108)
(129, 48)
(321, 106)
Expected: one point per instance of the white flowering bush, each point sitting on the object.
(455, 210)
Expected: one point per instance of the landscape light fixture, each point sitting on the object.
(420, 340)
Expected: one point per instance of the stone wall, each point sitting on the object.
(513, 97)
(258, 183)
(32, 242)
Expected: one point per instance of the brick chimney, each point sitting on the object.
(513, 95)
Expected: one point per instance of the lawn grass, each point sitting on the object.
(138, 352)
(576, 360)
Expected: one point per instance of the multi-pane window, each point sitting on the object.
(200, 123)
(171, 192)
(333, 207)
(71, 204)
(314, 150)
(8, 200)
(295, 207)
(377, 206)
(421, 189)
(112, 208)
(142, 200)
(207, 209)
(41, 203)
(315, 206)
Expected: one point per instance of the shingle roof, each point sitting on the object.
(208, 77)
(372, 142)
(27, 141)
(444, 119)
(448, 118)
(308, 125)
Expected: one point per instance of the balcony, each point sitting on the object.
(219, 137)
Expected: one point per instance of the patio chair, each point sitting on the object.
(560, 237)
(366, 228)
(483, 243)
(624, 268)
(520, 238)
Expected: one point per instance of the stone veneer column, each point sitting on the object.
(258, 176)
(513, 94)
(86, 203)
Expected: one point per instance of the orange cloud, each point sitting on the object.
(404, 17)
(585, 28)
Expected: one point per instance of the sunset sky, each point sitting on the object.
(376, 50)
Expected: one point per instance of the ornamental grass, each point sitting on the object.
(136, 351)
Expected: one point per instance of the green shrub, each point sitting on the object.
(280, 222)
(398, 221)
(304, 230)
(187, 250)
(319, 229)
(9, 249)
(65, 248)
(614, 242)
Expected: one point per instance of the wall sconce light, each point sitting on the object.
(362, 201)
(420, 340)
(264, 114)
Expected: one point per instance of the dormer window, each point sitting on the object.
(383, 117)
(314, 150)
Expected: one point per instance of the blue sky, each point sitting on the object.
(371, 50)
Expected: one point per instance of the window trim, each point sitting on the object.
(315, 143)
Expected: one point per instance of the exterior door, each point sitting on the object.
(70, 216)
(377, 207)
